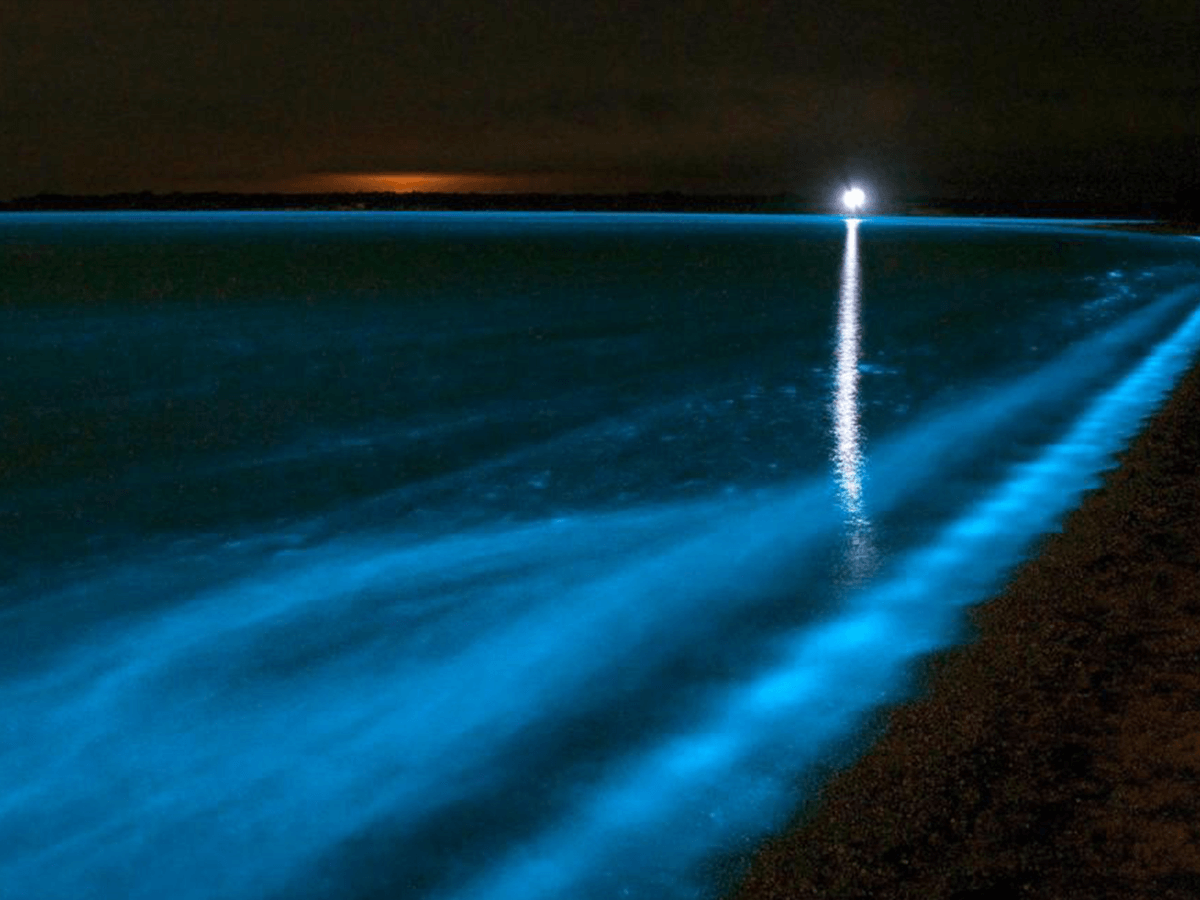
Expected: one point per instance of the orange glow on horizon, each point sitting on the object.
(421, 182)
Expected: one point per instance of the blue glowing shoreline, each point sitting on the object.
(494, 560)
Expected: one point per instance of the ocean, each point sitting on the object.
(449, 555)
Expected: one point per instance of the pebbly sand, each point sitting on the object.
(1058, 755)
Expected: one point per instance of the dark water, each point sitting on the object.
(379, 555)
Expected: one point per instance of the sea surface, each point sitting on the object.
(507, 556)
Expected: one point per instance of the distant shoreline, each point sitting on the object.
(1156, 216)
(1190, 229)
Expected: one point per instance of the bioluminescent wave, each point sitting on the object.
(731, 773)
(428, 570)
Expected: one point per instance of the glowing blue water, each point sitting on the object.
(512, 556)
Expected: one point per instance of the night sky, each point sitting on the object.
(1085, 100)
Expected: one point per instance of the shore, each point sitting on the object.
(1058, 755)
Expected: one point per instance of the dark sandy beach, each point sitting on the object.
(1058, 754)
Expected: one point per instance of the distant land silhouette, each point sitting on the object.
(1183, 210)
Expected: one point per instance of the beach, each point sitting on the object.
(1057, 754)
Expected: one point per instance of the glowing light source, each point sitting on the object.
(854, 198)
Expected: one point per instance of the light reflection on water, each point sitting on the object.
(848, 451)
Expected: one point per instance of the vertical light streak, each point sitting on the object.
(847, 455)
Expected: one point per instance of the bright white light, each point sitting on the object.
(854, 199)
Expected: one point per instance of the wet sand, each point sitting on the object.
(1057, 755)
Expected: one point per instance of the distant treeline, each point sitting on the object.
(1184, 210)
(648, 202)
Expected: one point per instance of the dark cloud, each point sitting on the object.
(929, 96)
